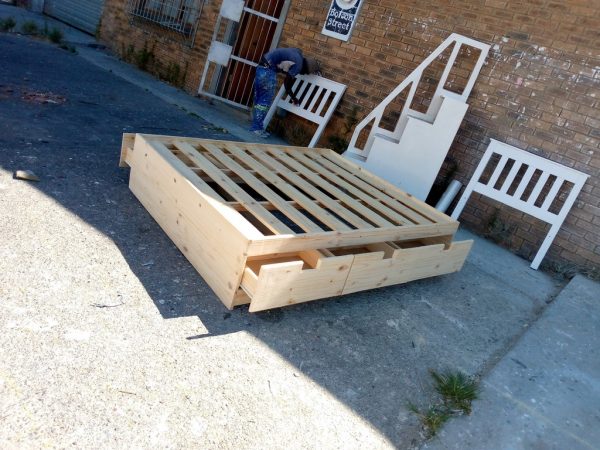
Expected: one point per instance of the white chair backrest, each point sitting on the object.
(318, 98)
(533, 185)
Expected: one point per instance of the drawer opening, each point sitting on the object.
(387, 248)
(446, 240)
(309, 258)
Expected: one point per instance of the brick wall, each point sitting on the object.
(127, 37)
(539, 90)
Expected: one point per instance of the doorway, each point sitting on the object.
(245, 30)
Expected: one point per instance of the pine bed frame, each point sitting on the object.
(276, 225)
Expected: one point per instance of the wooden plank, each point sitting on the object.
(423, 208)
(372, 270)
(166, 139)
(285, 187)
(192, 220)
(334, 239)
(245, 199)
(275, 200)
(339, 209)
(411, 217)
(287, 283)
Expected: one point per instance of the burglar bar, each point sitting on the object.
(177, 15)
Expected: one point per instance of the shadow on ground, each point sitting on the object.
(370, 350)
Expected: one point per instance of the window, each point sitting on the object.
(176, 15)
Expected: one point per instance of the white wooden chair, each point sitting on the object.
(318, 98)
(523, 194)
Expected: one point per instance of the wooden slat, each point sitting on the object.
(421, 207)
(406, 212)
(279, 203)
(541, 183)
(497, 171)
(285, 187)
(366, 199)
(337, 208)
(251, 205)
(309, 188)
(315, 98)
(510, 177)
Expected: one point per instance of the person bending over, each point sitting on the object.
(287, 60)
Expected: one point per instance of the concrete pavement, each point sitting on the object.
(545, 392)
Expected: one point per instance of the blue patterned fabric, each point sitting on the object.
(265, 85)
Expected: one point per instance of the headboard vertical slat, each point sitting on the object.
(541, 182)
(554, 191)
(497, 171)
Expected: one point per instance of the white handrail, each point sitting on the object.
(413, 79)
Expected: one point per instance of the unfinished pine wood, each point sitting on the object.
(195, 222)
(126, 146)
(373, 270)
(275, 225)
(288, 283)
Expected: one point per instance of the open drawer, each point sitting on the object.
(397, 263)
(282, 280)
(287, 279)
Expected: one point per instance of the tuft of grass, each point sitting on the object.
(172, 74)
(457, 391)
(55, 36)
(29, 27)
(7, 24)
(432, 419)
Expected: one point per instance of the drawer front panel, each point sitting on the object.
(370, 270)
(288, 283)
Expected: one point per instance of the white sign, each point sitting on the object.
(341, 18)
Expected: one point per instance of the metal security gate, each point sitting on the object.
(82, 14)
(245, 30)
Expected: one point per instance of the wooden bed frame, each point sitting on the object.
(275, 225)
